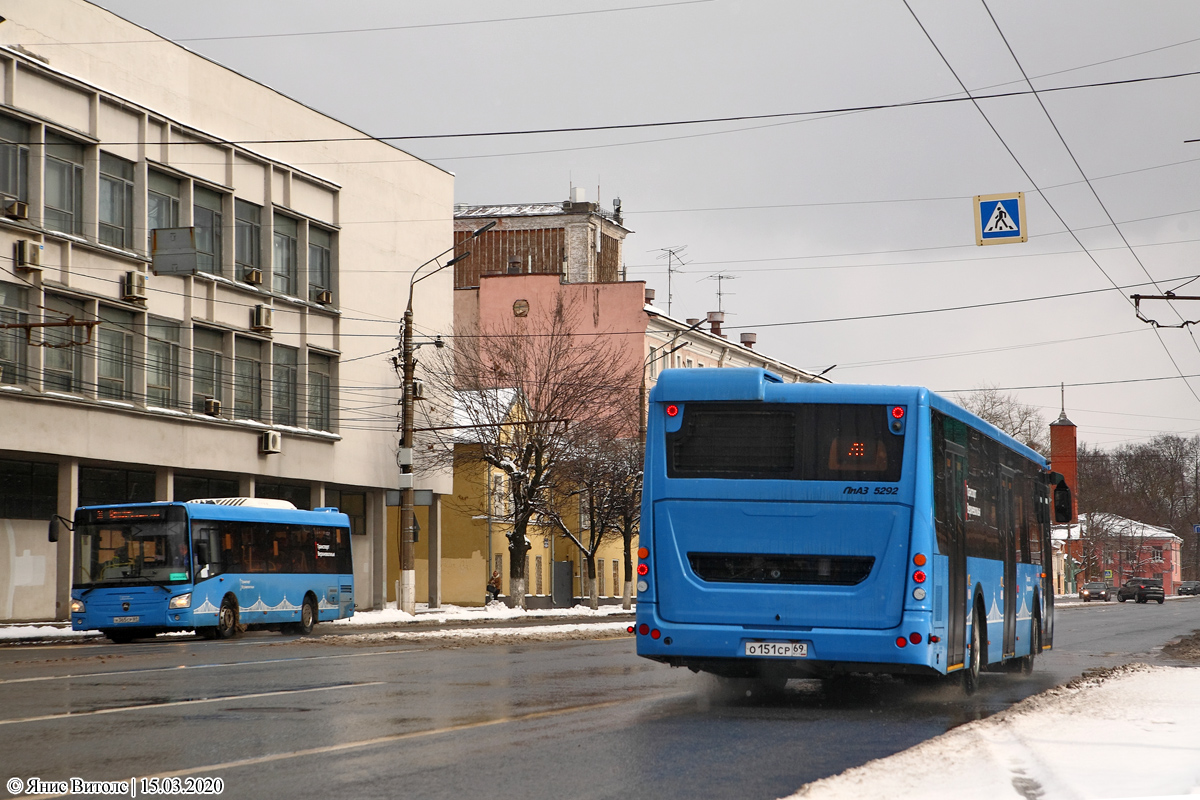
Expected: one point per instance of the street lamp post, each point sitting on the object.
(408, 574)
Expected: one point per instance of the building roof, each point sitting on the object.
(515, 210)
(1115, 525)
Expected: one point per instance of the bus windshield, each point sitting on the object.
(131, 546)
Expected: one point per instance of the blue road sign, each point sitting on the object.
(1000, 218)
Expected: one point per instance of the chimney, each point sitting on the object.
(649, 297)
(514, 265)
(715, 318)
(692, 321)
(749, 340)
(1063, 456)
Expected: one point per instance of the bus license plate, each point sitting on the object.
(777, 649)
(119, 620)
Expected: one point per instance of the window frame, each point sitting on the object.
(66, 217)
(285, 400)
(162, 360)
(320, 263)
(285, 254)
(14, 352)
(320, 390)
(118, 174)
(247, 378)
(114, 346)
(208, 235)
(213, 370)
(247, 237)
(14, 158)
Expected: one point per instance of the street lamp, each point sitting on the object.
(408, 574)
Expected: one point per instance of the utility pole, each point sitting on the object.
(672, 254)
(408, 573)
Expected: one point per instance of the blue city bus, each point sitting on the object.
(217, 567)
(811, 530)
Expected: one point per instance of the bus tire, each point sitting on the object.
(120, 636)
(1035, 645)
(227, 618)
(308, 617)
(975, 660)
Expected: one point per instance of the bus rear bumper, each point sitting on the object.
(722, 649)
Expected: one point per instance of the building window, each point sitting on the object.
(247, 237)
(283, 265)
(162, 201)
(320, 276)
(63, 365)
(353, 505)
(207, 382)
(298, 495)
(28, 490)
(653, 362)
(197, 487)
(500, 563)
(538, 569)
(13, 364)
(600, 578)
(319, 391)
(162, 363)
(99, 486)
(284, 362)
(247, 379)
(616, 580)
(14, 159)
(116, 202)
(64, 185)
(206, 218)
(114, 348)
(1156, 554)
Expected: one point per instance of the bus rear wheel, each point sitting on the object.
(1035, 645)
(120, 636)
(975, 658)
(227, 619)
(308, 618)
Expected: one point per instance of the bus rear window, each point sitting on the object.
(785, 441)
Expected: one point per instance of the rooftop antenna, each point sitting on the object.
(720, 294)
(673, 255)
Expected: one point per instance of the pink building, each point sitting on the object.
(1105, 544)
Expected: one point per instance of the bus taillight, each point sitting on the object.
(914, 637)
(919, 576)
(654, 634)
(898, 412)
(672, 410)
(643, 568)
(919, 559)
(901, 641)
(643, 629)
(643, 552)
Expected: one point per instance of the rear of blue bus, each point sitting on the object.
(778, 528)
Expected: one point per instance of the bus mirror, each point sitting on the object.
(202, 552)
(53, 533)
(1062, 503)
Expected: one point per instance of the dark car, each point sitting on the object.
(1188, 587)
(1142, 590)
(1094, 590)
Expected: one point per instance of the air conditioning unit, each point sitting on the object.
(270, 442)
(27, 255)
(133, 286)
(263, 318)
(212, 406)
(325, 297)
(253, 276)
(418, 387)
(15, 209)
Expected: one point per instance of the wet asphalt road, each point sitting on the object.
(284, 717)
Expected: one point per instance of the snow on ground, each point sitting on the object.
(489, 635)
(1131, 732)
(389, 616)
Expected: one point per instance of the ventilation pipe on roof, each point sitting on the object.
(649, 297)
(749, 340)
(715, 318)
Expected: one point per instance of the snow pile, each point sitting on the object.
(495, 635)
(392, 616)
(41, 632)
(1129, 732)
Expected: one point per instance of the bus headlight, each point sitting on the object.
(181, 601)
(77, 607)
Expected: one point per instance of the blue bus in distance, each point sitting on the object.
(811, 530)
(217, 567)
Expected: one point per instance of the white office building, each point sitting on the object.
(254, 356)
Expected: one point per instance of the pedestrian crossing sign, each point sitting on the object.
(1000, 218)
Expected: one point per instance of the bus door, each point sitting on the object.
(1008, 539)
(956, 492)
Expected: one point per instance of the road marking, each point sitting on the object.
(179, 667)
(175, 703)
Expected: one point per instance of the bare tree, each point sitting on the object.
(604, 475)
(518, 388)
(1024, 423)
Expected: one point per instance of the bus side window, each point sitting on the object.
(207, 552)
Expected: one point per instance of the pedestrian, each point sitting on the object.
(493, 587)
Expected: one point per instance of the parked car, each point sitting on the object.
(1094, 590)
(1142, 590)
(1188, 587)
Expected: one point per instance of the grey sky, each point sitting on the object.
(821, 217)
